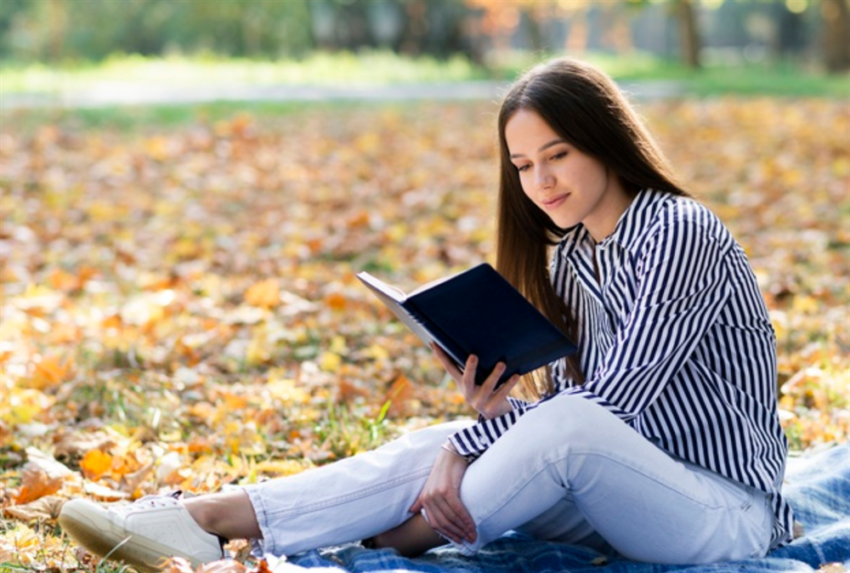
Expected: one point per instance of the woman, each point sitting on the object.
(659, 440)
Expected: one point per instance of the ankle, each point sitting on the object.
(202, 510)
(230, 515)
(410, 539)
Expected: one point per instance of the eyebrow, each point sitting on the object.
(542, 147)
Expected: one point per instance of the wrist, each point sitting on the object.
(449, 447)
(496, 412)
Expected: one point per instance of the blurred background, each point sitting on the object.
(709, 46)
(188, 187)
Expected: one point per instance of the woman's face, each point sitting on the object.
(571, 187)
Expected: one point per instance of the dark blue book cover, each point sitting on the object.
(478, 312)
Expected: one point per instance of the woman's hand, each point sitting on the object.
(440, 499)
(483, 398)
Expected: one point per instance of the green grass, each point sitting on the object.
(319, 68)
(138, 118)
(784, 79)
(341, 69)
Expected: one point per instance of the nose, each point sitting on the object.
(543, 178)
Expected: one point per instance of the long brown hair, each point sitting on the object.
(584, 107)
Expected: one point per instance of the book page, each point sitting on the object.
(387, 296)
(380, 286)
(431, 284)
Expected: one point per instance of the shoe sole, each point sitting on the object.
(95, 534)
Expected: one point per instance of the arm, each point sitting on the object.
(439, 501)
(497, 411)
(682, 287)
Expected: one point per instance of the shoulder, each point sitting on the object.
(681, 222)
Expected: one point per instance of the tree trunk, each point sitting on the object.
(835, 16)
(533, 27)
(57, 22)
(689, 33)
(412, 37)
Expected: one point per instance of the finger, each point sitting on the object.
(442, 522)
(469, 372)
(454, 510)
(506, 388)
(463, 520)
(435, 519)
(491, 381)
(416, 507)
(447, 362)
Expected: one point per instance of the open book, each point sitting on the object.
(477, 312)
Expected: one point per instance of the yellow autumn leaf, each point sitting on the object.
(330, 361)
(338, 345)
(287, 391)
(377, 352)
(23, 405)
(280, 467)
(805, 304)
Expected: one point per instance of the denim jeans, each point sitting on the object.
(568, 471)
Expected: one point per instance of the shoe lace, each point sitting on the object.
(153, 502)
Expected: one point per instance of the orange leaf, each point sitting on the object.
(51, 371)
(62, 332)
(265, 294)
(95, 463)
(359, 220)
(62, 280)
(336, 301)
(40, 480)
(262, 567)
(234, 401)
(400, 392)
(178, 565)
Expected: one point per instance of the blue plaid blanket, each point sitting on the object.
(817, 487)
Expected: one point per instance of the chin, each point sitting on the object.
(564, 222)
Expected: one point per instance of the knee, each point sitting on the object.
(434, 436)
(565, 422)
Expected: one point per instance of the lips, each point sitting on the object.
(555, 201)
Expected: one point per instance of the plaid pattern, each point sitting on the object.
(817, 487)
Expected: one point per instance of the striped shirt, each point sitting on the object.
(675, 340)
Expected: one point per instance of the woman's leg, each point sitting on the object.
(229, 514)
(349, 500)
(646, 504)
(412, 538)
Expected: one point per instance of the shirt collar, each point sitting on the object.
(626, 231)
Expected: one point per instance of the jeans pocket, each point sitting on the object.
(759, 516)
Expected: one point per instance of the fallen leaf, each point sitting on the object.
(43, 508)
(42, 476)
(95, 463)
(265, 294)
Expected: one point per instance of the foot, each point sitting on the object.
(143, 534)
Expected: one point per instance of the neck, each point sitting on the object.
(613, 204)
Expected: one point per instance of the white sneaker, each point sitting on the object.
(143, 534)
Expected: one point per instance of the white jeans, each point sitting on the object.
(567, 471)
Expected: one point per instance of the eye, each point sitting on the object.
(523, 168)
(559, 155)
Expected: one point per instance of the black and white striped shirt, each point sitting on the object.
(675, 339)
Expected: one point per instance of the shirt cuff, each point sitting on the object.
(473, 441)
(597, 399)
